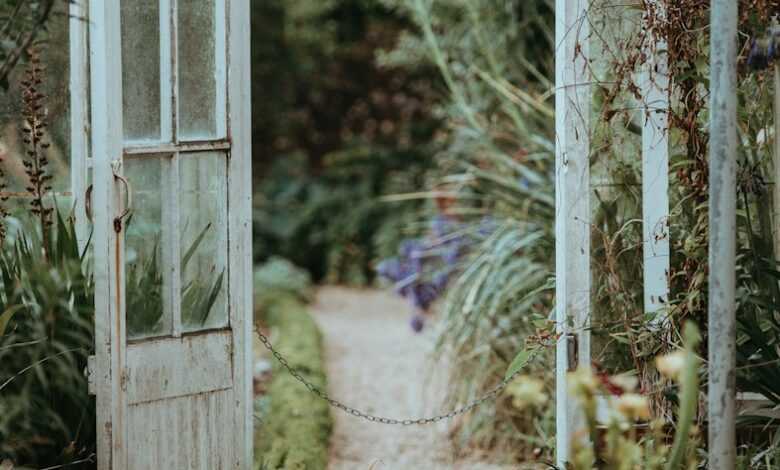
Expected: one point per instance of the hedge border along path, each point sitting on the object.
(295, 431)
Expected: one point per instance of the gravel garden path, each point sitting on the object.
(377, 364)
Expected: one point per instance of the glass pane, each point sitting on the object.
(203, 223)
(141, 69)
(198, 69)
(148, 314)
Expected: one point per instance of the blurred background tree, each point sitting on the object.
(333, 132)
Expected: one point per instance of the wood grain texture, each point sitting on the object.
(655, 177)
(240, 223)
(572, 208)
(192, 432)
(175, 367)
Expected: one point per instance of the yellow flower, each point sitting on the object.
(527, 391)
(583, 383)
(626, 382)
(633, 406)
(671, 365)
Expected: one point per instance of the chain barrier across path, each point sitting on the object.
(490, 395)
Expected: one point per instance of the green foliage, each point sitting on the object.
(46, 415)
(49, 36)
(279, 277)
(23, 21)
(621, 446)
(145, 286)
(294, 433)
(334, 132)
(494, 58)
(758, 293)
(335, 223)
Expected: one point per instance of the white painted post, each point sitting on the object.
(110, 326)
(655, 177)
(79, 116)
(239, 99)
(722, 251)
(572, 209)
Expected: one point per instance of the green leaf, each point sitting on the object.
(5, 318)
(194, 247)
(520, 361)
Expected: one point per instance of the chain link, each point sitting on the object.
(490, 395)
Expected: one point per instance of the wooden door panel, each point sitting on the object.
(191, 432)
(174, 397)
(175, 367)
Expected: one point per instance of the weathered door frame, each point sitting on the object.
(96, 91)
(572, 215)
(573, 191)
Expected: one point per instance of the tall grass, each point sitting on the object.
(495, 58)
(46, 324)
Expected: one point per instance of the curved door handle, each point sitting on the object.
(88, 203)
(127, 205)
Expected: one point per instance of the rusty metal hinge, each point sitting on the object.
(572, 352)
(89, 372)
(124, 378)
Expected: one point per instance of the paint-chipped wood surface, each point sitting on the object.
(175, 367)
(179, 402)
(572, 209)
(193, 432)
(655, 177)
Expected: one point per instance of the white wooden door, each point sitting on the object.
(169, 127)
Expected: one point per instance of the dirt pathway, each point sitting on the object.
(375, 363)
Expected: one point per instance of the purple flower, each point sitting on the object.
(486, 227)
(441, 226)
(760, 54)
(411, 253)
(423, 267)
(524, 183)
(417, 323)
(390, 269)
(423, 294)
(441, 279)
(451, 252)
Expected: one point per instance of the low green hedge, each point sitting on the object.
(295, 428)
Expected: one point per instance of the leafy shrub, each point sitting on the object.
(495, 58)
(279, 277)
(294, 432)
(46, 325)
(334, 132)
(621, 446)
(335, 223)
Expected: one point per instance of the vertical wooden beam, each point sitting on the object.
(655, 175)
(220, 67)
(105, 54)
(240, 221)
(572, 210)
(79, 116)
(722, 250)
(167, 69)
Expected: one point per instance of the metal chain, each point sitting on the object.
(490, 395)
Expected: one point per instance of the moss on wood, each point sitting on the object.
(295, 431)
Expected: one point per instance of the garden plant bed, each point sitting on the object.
(294, 431)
